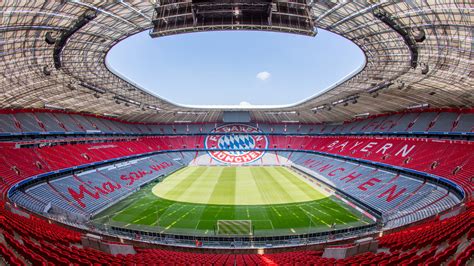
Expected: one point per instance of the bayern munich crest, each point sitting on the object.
(238, 148)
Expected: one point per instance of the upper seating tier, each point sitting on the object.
(444, 121)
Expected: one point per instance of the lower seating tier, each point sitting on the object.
(433, 243)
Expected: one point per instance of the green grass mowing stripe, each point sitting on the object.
(173, 214)
(194, 216)
(311, 192)
(293, 192)
(224, 190)
(297, 214)
(295, 187)
(262, 186)
(341, 217)
(323, 216)
(270, 192)
(184, 184)
(169, 183)
(246, 190)
(345, 212)
(200, 191)
(291, 218)
(186, 222)
(275, 191)
(152, 212)
(315, 218)
(132, 212)
(353, 213)
(345, 217)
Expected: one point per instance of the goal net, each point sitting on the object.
(234, 227)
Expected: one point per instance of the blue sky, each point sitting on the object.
(227, 68)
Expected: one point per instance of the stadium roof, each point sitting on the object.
(418, 54)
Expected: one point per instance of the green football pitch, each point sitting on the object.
(270, 200)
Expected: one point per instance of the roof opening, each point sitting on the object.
(231, 68)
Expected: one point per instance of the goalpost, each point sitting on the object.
(234, 227)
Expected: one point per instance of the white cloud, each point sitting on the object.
(264, 75)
